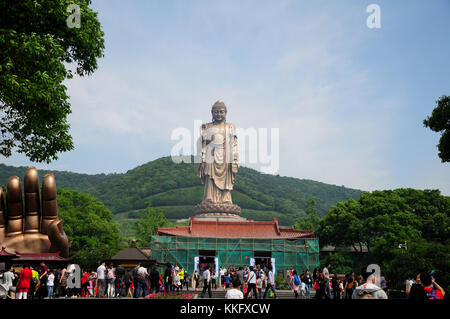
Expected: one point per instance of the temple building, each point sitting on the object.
(225, 242)
(133, 256)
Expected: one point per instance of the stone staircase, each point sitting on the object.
(220, 294)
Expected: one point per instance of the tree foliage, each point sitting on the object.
(89, 227)
(311, 220)
(148, 225)
(439, 121)
(36, 46)
(340, 262)
(381, 220)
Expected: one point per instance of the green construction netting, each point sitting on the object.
(299, 254)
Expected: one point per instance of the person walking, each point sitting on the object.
(128, 280)
(308, 282)
(181, 275)
(295, 284)
(251, 284)
(383, 283)
(120, 272)
(135, 279)
(214, 280)
(154, 281)
(142, 275)
(90, 287)
(240, 276)
(270, 283)
(335, 287)
(33, 283)
(101, 280)
(228, 280)
(327, 277)
(315, 275)
(176, 282)
(206, 282)
(111, 278)
(42, 290)
(63, 283)
(259, 286)
(167, 278)
(8, 280)
(222, 277)
(24, 282)
(350, 286)
(195, 280)
(50, 284)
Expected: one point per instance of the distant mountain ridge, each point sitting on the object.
(176, 189)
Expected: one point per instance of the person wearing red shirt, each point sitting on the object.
(24, 282)
(432, 289)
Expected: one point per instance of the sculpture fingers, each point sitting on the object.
(58, 238)
(49, 205)
(14, 207)
(32, 204)
(2, 216)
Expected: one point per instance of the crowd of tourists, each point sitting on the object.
(331, 286)
(241, 282)
(38, 282)
(367, 285)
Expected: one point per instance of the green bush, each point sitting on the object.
(281, 283)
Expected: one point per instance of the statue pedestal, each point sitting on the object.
(222, 211)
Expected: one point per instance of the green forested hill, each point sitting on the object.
(176, 188)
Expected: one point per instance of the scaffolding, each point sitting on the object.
(299, 254)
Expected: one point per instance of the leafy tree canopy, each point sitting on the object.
(381, 220)
(311, 220)
(36, 46)
(148, 225)
(89, 227)
(439, 121)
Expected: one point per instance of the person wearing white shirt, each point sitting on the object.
(8, 279)
(206, 282)
(141, 283)
(101, 281)
(326, 274)
(50, 284)
(251, 284)
(235, 292)
(270, 283)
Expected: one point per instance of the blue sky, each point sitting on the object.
(349, 101)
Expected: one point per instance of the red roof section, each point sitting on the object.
(40, 256)
(235, 229)
(4, 253)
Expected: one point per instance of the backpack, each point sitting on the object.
(296, 280)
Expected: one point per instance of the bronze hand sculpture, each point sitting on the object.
(37, 228)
